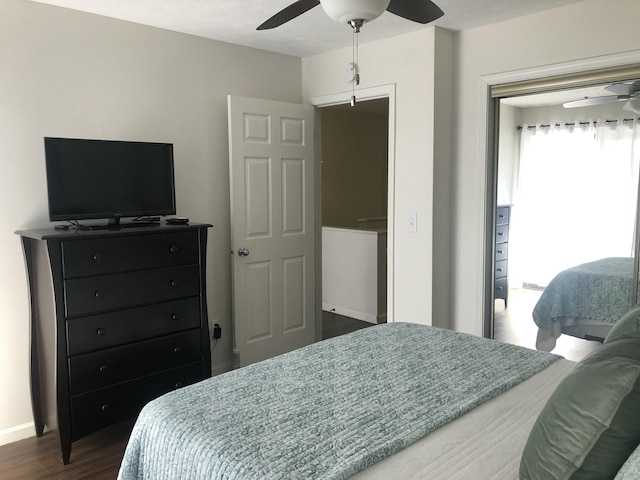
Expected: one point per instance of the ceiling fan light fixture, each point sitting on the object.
(345, 11)
(634, 104)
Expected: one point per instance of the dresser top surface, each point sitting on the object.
(72, 233)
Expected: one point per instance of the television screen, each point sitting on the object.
(89, 179)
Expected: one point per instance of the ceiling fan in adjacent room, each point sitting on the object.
(358, 12)
(620, 91)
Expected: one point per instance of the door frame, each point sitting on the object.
(487, 198)
(382, 91)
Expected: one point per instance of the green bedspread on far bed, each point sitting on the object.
(325, 411)
(598, 290)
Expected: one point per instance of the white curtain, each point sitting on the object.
(575, 200)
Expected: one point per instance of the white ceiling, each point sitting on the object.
(235, 21)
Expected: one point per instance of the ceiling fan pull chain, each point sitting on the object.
(357, 60)
(354, 62)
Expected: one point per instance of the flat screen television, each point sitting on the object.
(107, 179)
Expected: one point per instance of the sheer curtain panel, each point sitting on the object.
(575, 199)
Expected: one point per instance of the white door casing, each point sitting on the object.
(271, 168)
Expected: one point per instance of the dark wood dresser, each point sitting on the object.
(501, 289)
(118, 317)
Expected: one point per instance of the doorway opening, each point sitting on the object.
(354, 145)
(513, 321)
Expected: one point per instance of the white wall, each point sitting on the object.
(576, 36)
(408, 62)
(508, 153)
(353, 272)
(559, 114)
(65, 73)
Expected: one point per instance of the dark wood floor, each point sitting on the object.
(334, 325)
(96, 457)
(515, 325)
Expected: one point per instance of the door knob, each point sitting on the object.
(243, 252)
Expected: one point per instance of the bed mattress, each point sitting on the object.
(328, 410)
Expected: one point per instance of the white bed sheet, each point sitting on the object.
(484, 444)
(587, 328)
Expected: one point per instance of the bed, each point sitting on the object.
(584, 301)
(395, 401)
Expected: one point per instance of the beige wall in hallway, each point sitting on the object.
(354, 164)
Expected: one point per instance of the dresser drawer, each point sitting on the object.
(502, 215)
(96, 332)
(502, 233)
(501, 269)
(100, 408)
(120, 364)
(501, 288)
(122, 254)
(110, 292)
(502, 251)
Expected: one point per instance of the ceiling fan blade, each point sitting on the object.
(421, 11)
(595, 101)
(289, 13)
(624, 88)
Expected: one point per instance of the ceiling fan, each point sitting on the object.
(620, 91)
(357, 12)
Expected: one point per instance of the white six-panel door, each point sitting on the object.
(271, 168)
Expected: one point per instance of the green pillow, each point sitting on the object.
(591, 423)
(629, 323)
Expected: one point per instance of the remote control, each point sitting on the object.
(177, 220)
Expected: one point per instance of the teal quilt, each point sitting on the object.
(325, 411)
(599, 290)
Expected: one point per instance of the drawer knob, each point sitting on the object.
(173, 282)
(173, 249)
(105, 407)
(103, 368)
(101, 331)
(177, 349)
(98, 294)
(175, 317)
(179, 384)
(97, 257)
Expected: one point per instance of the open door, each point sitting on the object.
(271, 168)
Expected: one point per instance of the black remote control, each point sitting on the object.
(177, 220)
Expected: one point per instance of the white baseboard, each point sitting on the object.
(19, 432)
(365, 317)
